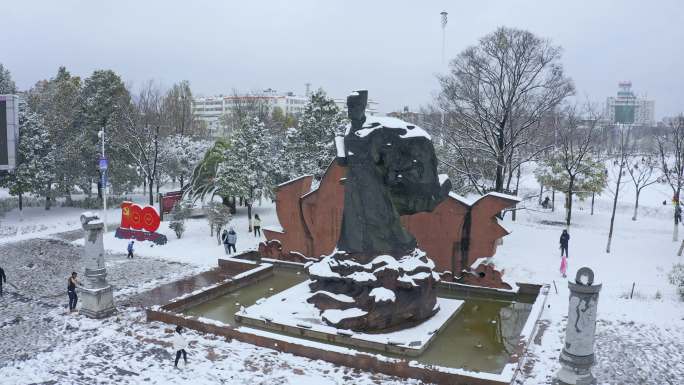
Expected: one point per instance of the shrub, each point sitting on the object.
(676, 277)
(180, 212)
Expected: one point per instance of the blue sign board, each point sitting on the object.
(103, 163)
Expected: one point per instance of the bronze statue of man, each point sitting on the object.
(391, 171)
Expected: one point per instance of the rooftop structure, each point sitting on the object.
(628, 108)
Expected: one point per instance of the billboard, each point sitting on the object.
(625, 114)
(9, 131)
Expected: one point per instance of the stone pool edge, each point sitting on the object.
(170, 313)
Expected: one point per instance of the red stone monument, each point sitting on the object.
(458, 235)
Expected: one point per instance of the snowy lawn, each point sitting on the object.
(634, 336)
(197, 246)
(639, 340)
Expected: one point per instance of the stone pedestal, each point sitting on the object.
(97, 297)
(577, 356)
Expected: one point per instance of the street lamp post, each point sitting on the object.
(103, 172)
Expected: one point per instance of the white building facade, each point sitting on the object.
(627, 108)
(209, 110)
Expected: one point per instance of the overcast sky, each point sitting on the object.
(392, 48)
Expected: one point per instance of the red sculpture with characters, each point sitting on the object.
(140, 223)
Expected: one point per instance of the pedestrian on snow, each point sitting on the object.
(130, 249)
(71, 290)
(180, 344)
(224, 240)
(546, 203)
(564, 265)
(230, 240)
(564, 239)
(3, 279)
(256, 225)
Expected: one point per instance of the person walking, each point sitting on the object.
(130, 249)
(564, 239)
(180, 344)
(564, 265)
(231, 240)
(224, 240)
(71, 290)
(256, 225)
(3, 279)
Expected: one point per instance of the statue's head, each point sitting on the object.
(356, 108)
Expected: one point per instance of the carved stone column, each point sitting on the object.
(577, 356)
(97, 297)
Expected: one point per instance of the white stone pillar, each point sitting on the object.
(97, 297)
(577, 356)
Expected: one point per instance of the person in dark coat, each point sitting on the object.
(71, 291)
(130, 249)
(3, 279)
(231, 240)
(546, 203)
(564, 239)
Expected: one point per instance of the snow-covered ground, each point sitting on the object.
(634, 336)
(639, 340)
(196, 245)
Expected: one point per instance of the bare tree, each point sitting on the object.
(643, 171)
(571, 168)
(140, 135)
(494, 97)
(618, 168)
(671, 151)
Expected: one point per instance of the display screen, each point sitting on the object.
(4, 156)
(624, 114)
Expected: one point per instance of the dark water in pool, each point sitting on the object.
(481, 337)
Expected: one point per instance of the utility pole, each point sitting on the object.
(103, 176)
(444, 23)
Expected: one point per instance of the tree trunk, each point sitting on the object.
(21, 202)
(675, 233)
(249, 216)
(67, 194)
(612, 216)
(181, 181)
(541, 192)
(157, 188)
(636, 205)
(568, 199)
(249, 208)
(592, 202)
(151, 190)
(553, 200)
(47, 198)
(500, 159)
(517, 185)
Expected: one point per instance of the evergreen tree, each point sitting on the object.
(587, 177)
(57, 101)
(311, 146)
(7, 85)
(35, 169)
(247, 167)
(105, 102)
